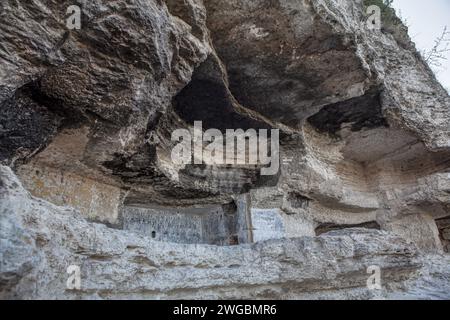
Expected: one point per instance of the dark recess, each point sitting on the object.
(209, 102)
(362, 113)
(327, 227)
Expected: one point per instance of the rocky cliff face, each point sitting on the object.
(86, 125)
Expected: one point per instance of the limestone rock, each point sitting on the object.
(114, 76)
(86, 124)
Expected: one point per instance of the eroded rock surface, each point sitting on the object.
(40, 240)
(86, 122)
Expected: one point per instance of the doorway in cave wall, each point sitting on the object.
(443, 225)
(327, 227)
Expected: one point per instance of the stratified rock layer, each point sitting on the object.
(86, 122)
(40, 241)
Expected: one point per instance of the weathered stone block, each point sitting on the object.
(37, 236)
(267, 224)
(420, 229)
(95, 200)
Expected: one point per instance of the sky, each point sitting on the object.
(426, 20)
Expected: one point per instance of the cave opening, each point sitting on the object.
(443, 226)
(362, 112)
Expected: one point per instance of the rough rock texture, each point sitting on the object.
(86, 122)
(40, 240)
(444, 232)
(433, 281)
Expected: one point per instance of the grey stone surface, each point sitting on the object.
(40, 240)
(86, 120)
(433, 282)
(207, 225)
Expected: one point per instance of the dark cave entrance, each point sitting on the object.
(327, 227)
(361, 112)
(206, 98)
